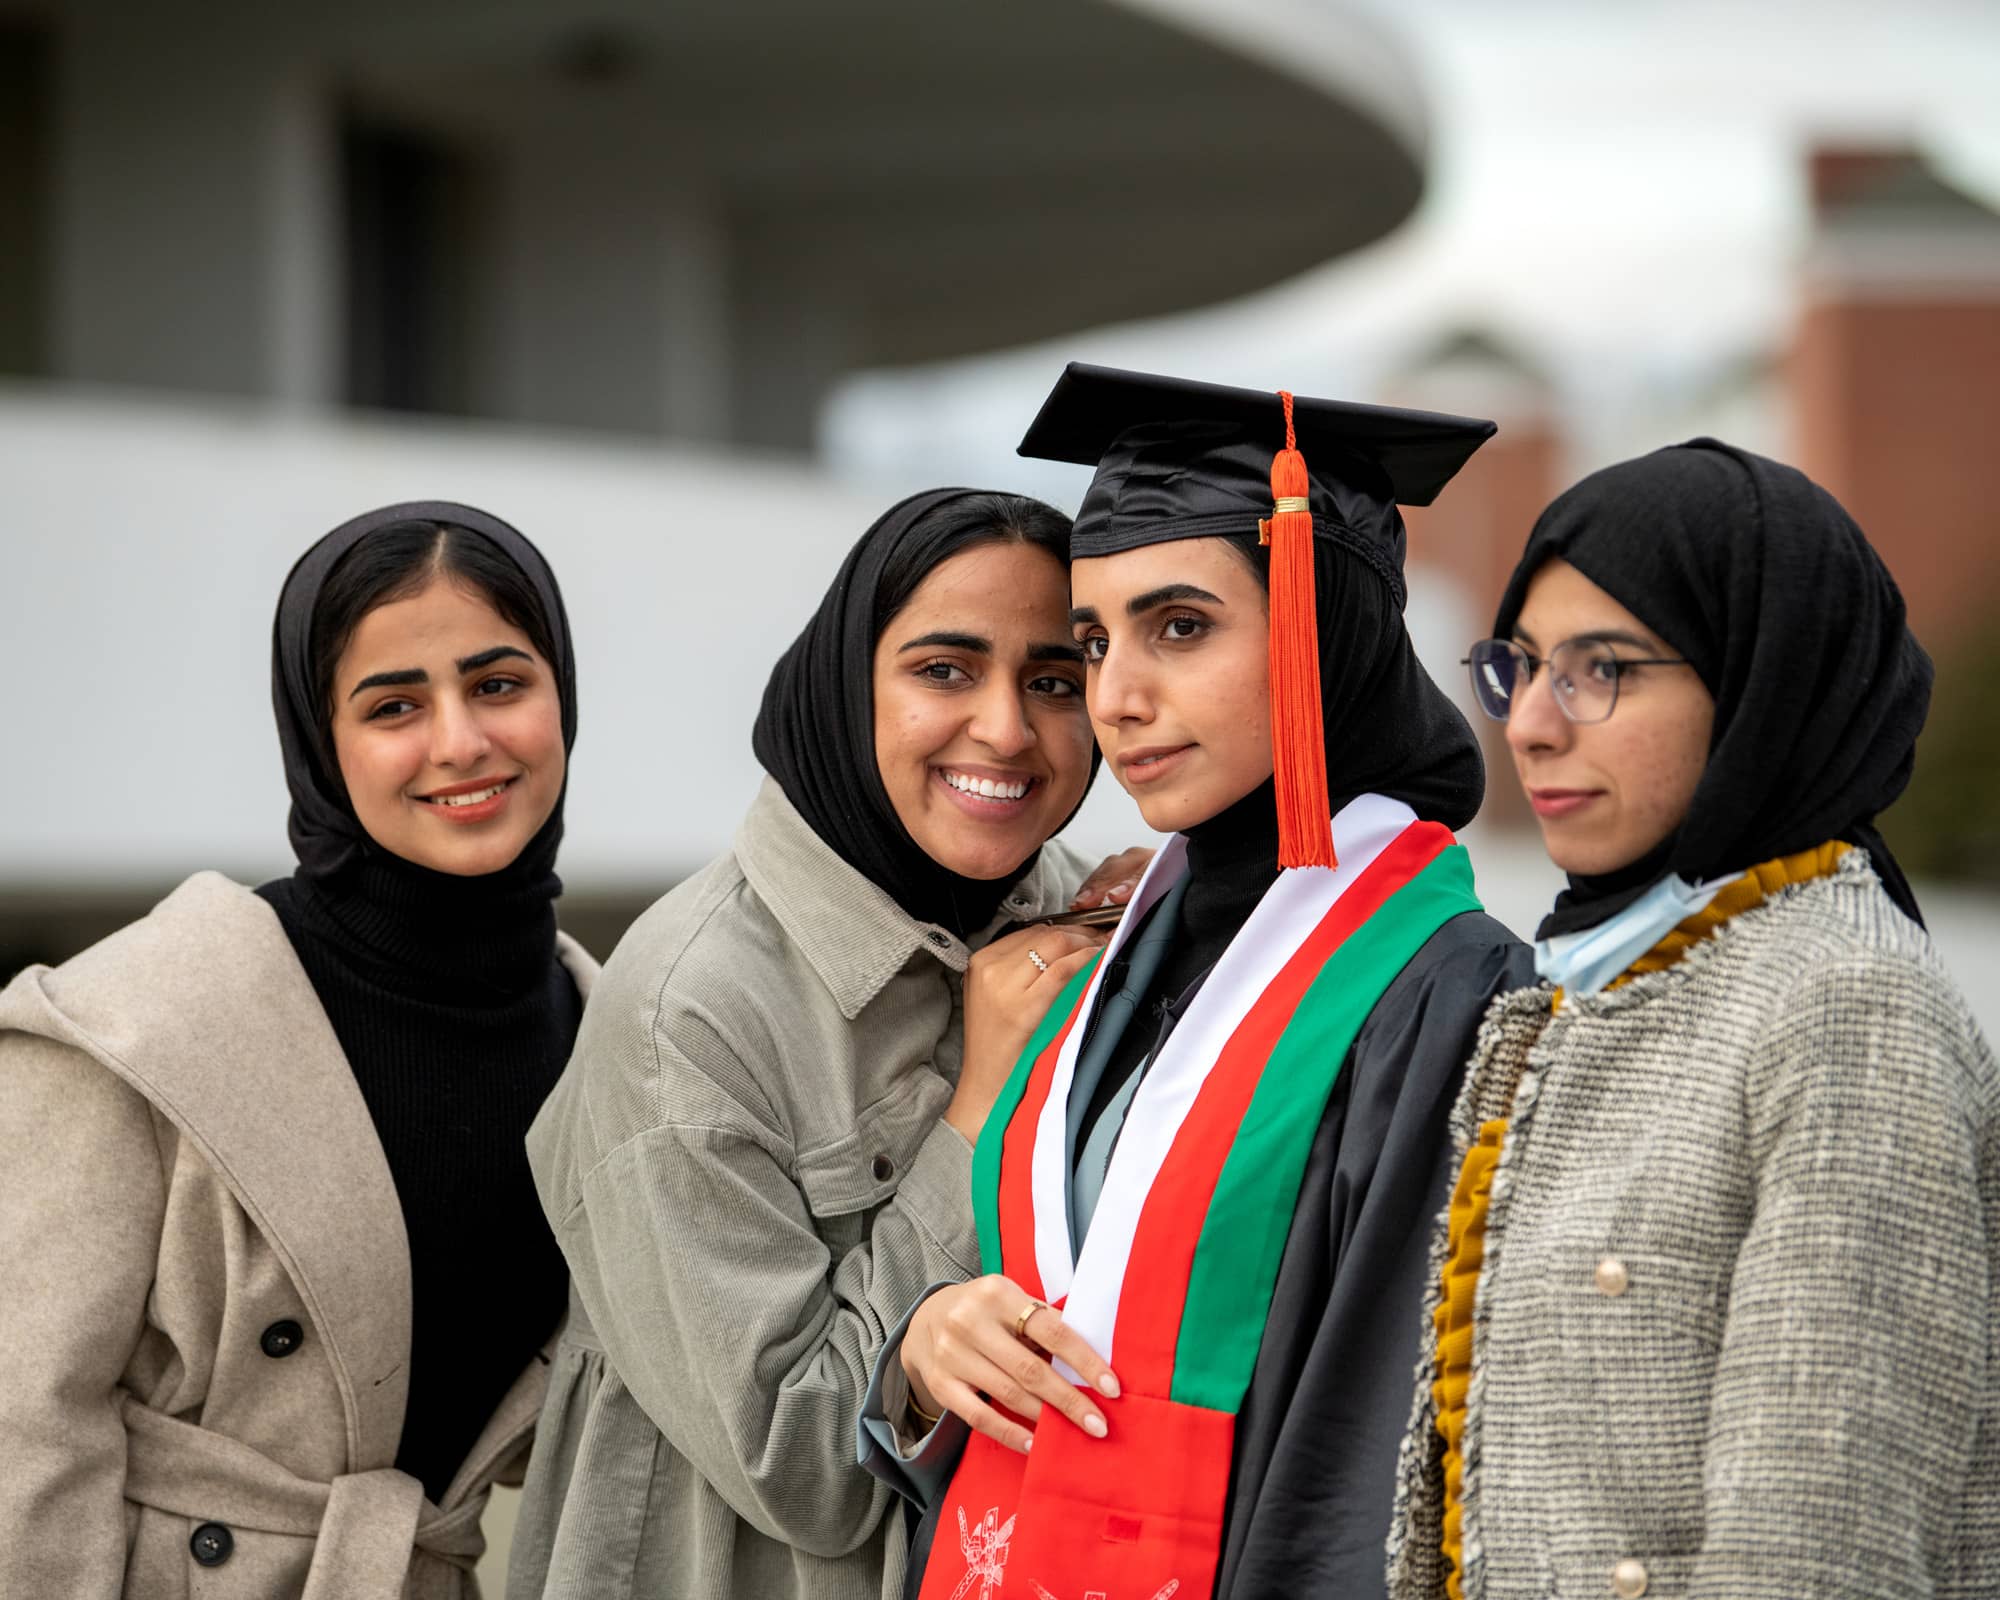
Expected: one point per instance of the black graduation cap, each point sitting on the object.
(1177, 459)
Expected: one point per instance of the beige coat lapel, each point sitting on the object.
(203, 1009)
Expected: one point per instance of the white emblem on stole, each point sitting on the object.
(985, 1550)
(1164, 1592)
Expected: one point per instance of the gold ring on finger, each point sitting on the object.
(1027, 1311)
(1036, 957)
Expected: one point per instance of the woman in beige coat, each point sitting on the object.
(275, 1283)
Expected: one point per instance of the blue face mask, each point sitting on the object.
(1585, 961)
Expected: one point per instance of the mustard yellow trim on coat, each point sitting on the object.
(1466, 1231)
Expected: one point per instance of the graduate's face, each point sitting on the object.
(1177, 637)
(980, 733)
(447, 724)
(1605, 793)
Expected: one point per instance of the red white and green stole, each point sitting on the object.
(1176, 1275)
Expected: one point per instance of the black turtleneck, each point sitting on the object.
(1232, 859)
(457, 1018)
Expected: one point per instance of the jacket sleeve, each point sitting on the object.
(726, 1316)
(917, 1469)
(81, 1206)
(1848, 1383)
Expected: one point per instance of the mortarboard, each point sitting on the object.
(1177, 459)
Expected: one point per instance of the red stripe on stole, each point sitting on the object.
(1170, 1222)
(1015, 1203)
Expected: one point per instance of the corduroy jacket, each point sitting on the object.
(748, 1171)
(205, 1286)
(1738, 1321)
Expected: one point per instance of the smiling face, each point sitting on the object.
(1177, 637)
(980, 733)
(447, 726)
(1605, 793)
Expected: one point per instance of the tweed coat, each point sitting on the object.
(205, 1286)
(1738, 1320)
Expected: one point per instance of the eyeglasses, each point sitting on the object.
(1584, 674)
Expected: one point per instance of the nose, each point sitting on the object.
(458, 739)
(1535, 723)
(1000, 718)
(1118, 690)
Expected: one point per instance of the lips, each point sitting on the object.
(474, 800)
(1151, 763)
(1560, 802)
(988, 794)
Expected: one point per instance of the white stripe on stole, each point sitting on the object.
(1291, 908)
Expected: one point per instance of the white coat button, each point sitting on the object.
(1628, 1579)
(1614, 1280)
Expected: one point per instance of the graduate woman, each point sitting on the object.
(1206, 1185)
(760, 1153)
(1719, 1302)
(276, 1282)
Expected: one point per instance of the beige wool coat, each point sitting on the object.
(205, 1286)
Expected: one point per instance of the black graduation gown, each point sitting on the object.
(1317, 1436)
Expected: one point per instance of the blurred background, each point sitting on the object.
(691, 292)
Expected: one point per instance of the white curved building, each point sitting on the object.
(262, 267)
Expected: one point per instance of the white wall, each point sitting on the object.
(142, 546)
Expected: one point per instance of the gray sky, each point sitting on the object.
(1616, 185)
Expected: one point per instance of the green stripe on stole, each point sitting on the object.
(1250, 1214)
(993, 1132)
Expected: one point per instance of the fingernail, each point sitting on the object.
(1094, 1426)
(1027, 1444)
(1108, 1385)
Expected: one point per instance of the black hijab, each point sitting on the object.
(815, 732)
(453, 1011)
(410, 917)
(1757, 576)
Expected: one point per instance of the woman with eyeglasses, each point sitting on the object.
(1718, 1302)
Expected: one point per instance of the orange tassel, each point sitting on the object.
(1298, 738)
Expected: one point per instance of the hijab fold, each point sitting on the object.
(815, 732)
(1763, 582)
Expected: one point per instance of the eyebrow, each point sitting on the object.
(486, 658)
(390, 680)
(1166, 594)
(972, 643)
(949, 641)
(1139, 604)
(403, 677)
(1594, 636)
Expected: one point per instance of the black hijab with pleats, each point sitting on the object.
(1764, 583)
(456, 1018)
(815, 732)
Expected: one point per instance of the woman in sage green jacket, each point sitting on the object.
(760, 1154)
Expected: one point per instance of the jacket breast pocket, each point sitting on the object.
(849, 1178)
(1644, 1331)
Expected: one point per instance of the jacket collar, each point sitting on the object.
(205, 1011)
(851, 931)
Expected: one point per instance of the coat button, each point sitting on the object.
(940, 939)
(281, 1339)
(212, 1544)
(1614, 1280)
(883, 1168)
(1628, 1579)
